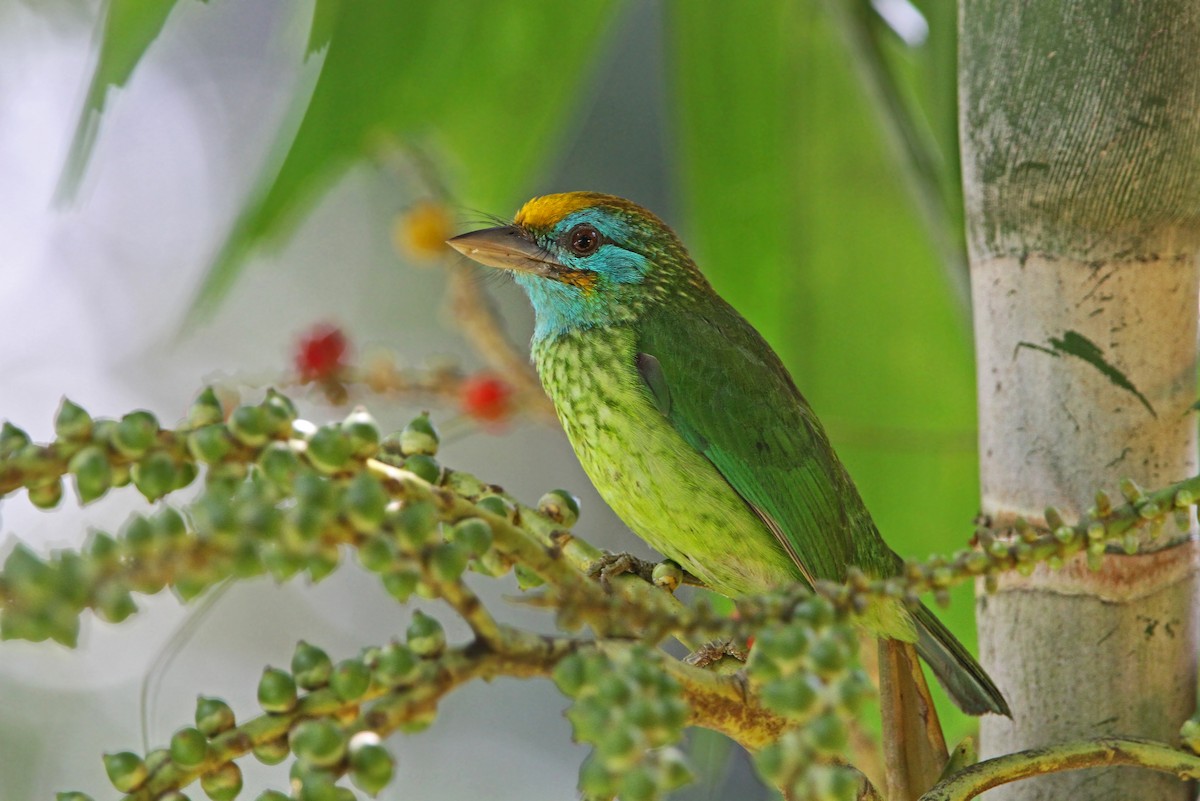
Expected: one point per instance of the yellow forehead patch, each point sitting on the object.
(546, 211)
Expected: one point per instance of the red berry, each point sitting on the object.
(320, 352)
(486, 397)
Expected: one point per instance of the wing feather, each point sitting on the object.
(726, 392)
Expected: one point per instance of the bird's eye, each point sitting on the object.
(584, 240)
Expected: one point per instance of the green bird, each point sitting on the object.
(688, 423)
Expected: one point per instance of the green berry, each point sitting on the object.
(72, 422)
(350, 679)
(596, 780)
(371, 766)
(793, 696)
(362, 433)
(125, 770)
(667, 575)
(784, 643)
(414, 523)
(419, 437)
(424, 467)
(272, 795)
(213, 716)
(853, 690)
(251, 425)
(101, 548)
(223, 783)
(319, 743)
(280, 464)
(401, 583)
(46, 496)
(474, 534)
(155, 475)
(273, 752)
(377, 554)
(619, 747)
(114, 603)
(136, 432)
(570, 675)
(12, 439)
(281, 411)
(426, 637)
(312, 784)
(139, 535)
(311, 666)
(828, 732)
(494, 504)
(638, 785)
(829, 655)
(560, 506)
(210, 444)
(323, 562)
(815, 611)
(614, 690)
(206, 409)
(27, 575)
(276, 690)
(1189, 733)
(396, 664)
(329, 449)
(157, 759)
(169, 525)
(448, 561)
(189, 747)
(365, 502)
(72, 795)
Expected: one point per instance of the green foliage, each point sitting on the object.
(412, 74)
(130, 26)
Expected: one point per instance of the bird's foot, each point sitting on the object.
(718, 651)
(665, 574)
(611, 565)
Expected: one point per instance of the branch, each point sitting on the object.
(1105, 752)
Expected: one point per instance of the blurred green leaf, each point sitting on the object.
(129, 27)
(906, 100)
(798, 213)
(488, 83)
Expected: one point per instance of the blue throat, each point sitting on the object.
(560, 308)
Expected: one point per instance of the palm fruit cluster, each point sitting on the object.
(280, 496)
(317, 712)
(804, 669)
(631, 712)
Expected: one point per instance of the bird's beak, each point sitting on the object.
(506, 248)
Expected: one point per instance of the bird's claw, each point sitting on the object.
(666, 574)
(611, 565)
(711, 653)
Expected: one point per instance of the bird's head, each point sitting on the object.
(585, 259)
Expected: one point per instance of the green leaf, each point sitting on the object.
(129, 28)
(487, 84)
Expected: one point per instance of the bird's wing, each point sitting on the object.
(725, 391)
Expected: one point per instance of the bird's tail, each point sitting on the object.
(964, 679)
